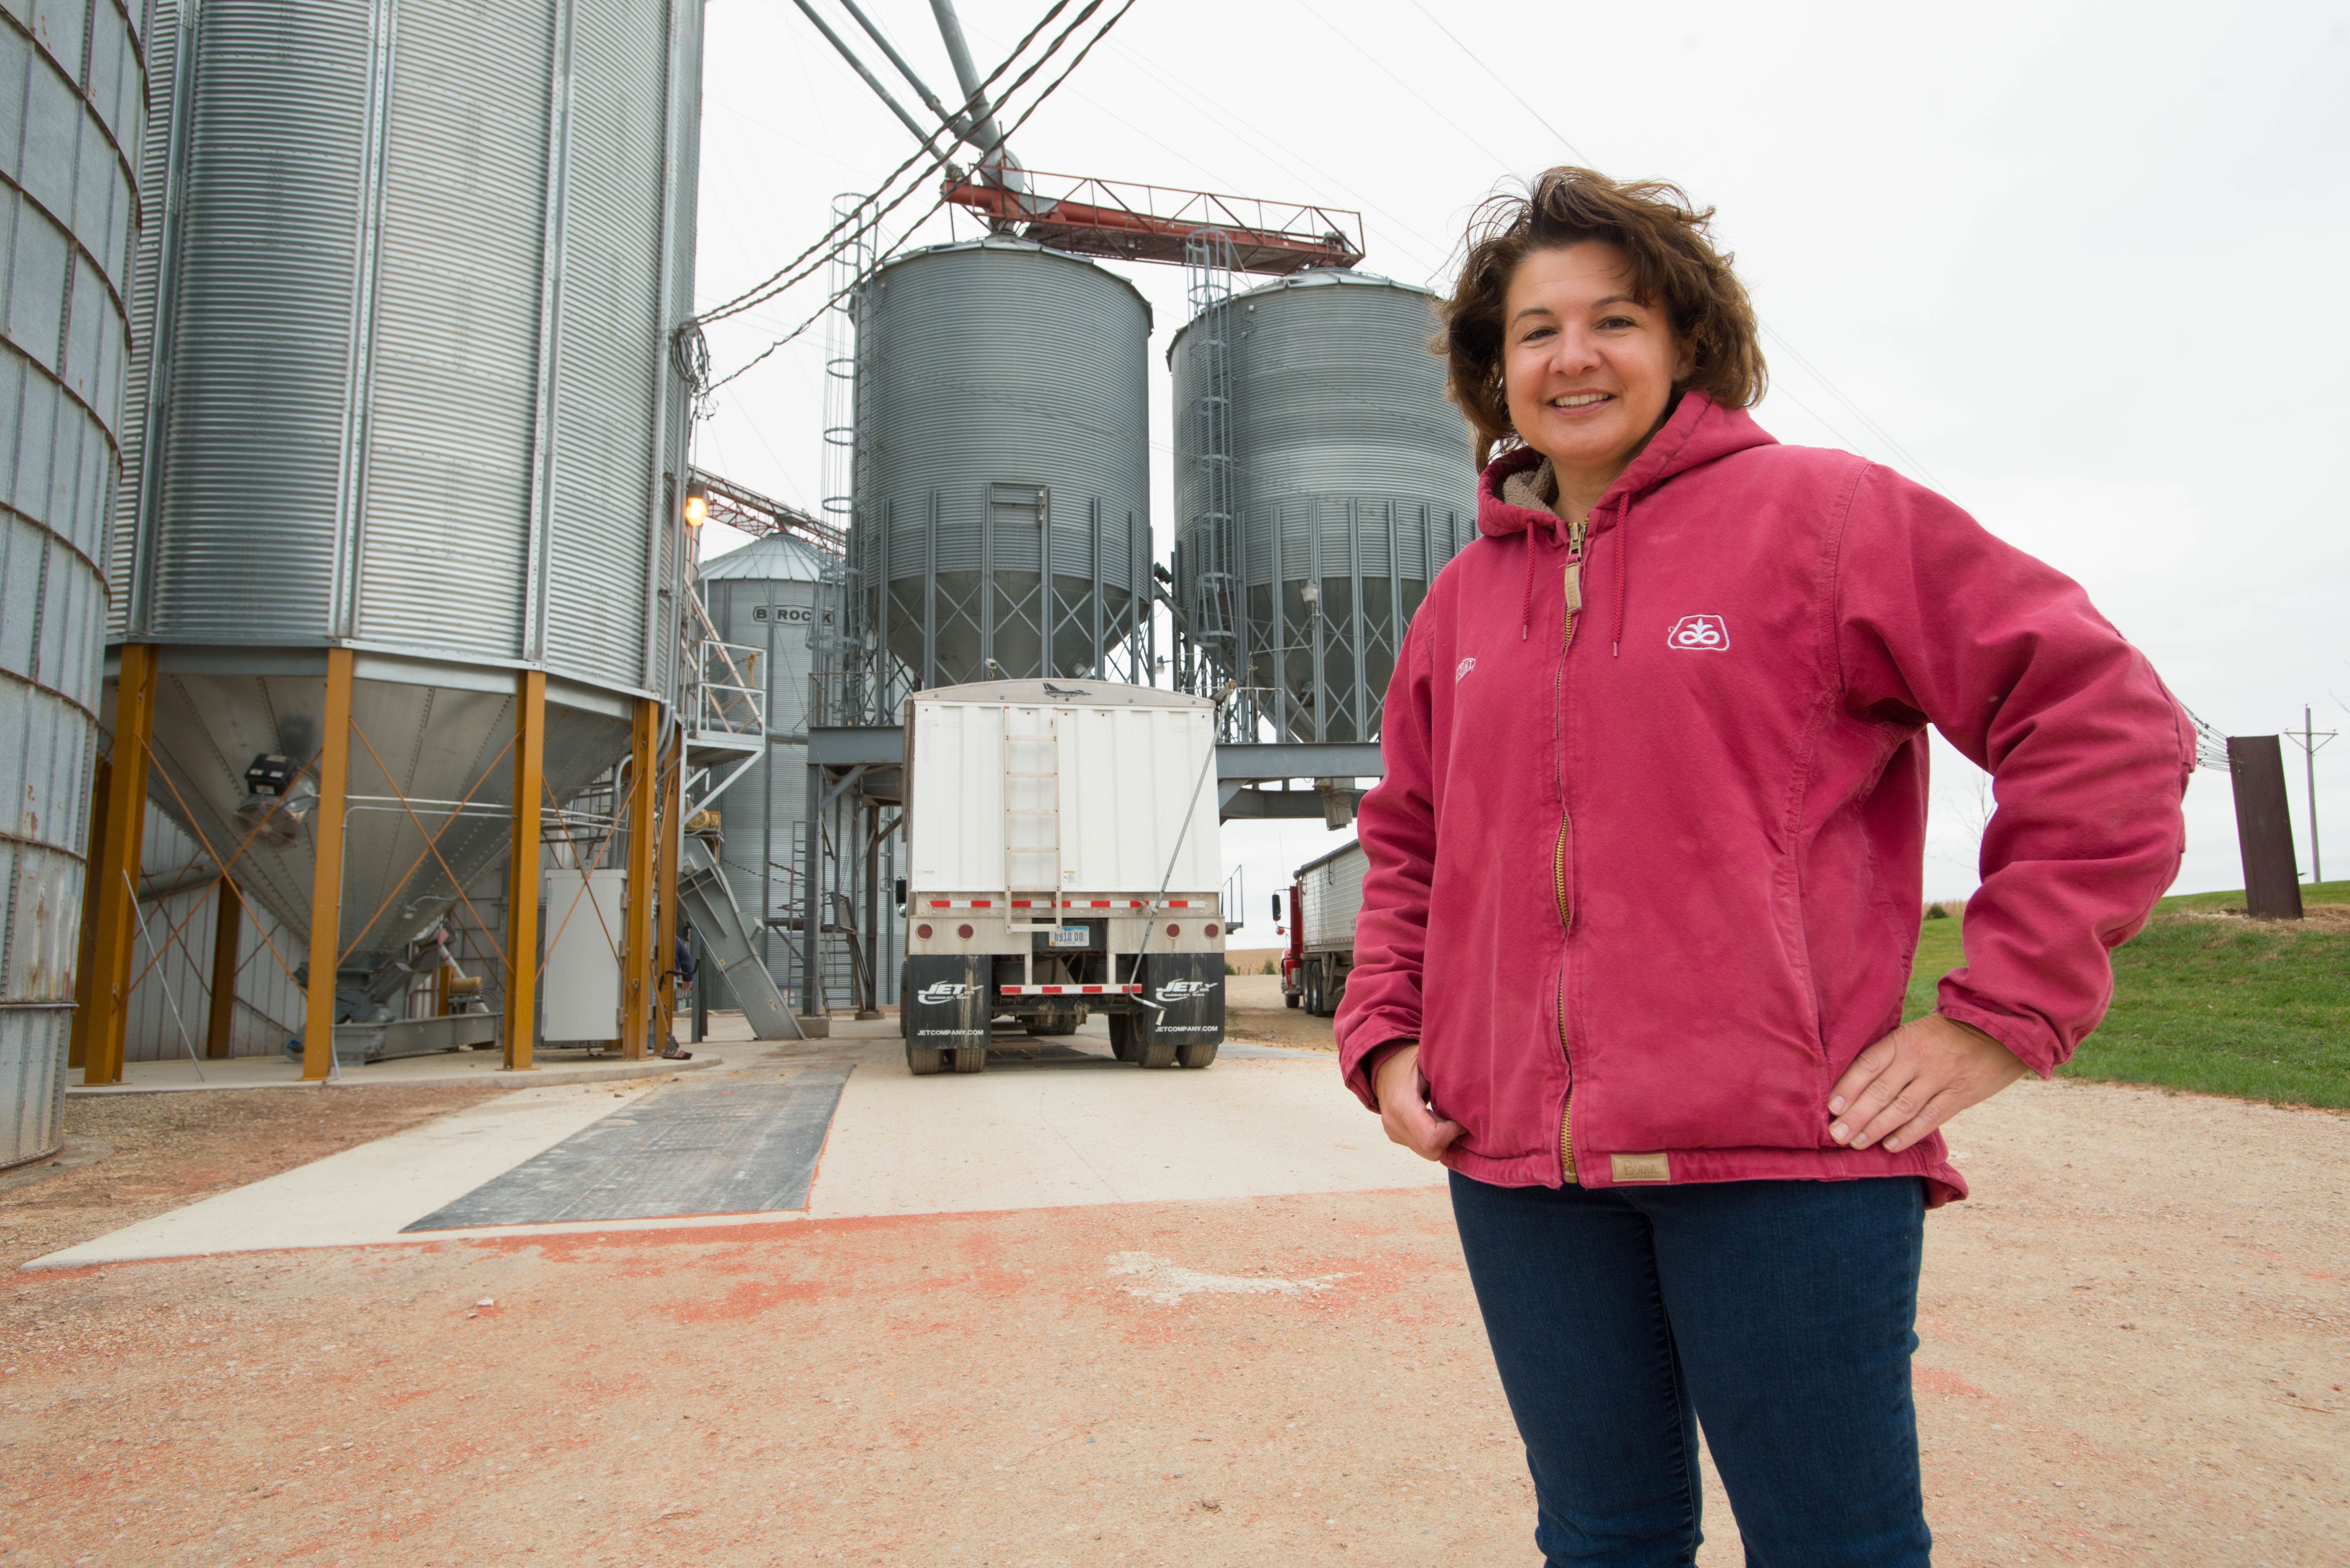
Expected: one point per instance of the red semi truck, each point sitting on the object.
(1322, 903)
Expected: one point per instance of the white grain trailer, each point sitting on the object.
(1325, 899)
(1063, 859)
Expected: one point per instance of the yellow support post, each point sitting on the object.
(110, 889)
(521, 1024)
(228, 930)
(327, 869)
(636, 948)
(665, 892)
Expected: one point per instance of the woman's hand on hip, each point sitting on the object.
(1403, 1106)
(1914, 1080)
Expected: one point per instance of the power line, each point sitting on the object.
(1539, 120)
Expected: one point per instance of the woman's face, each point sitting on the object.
(1587, 370)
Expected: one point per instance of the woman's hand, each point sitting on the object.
(1912, 1081)
(1403, 1106)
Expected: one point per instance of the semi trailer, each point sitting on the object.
(1062, 861)
(1322, 903)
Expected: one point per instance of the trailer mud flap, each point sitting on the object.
(946, 1002)
(1189, 989)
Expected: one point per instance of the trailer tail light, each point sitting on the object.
(1174, 930)
(923, 932)
(1212, 932)
(963, 931)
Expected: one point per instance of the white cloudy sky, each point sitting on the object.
(2079, 267)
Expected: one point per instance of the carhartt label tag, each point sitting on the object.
(1573, 586)
(1640, 1167)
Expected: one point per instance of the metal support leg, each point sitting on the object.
(637, 944)
(521, 1024)
(327, 869)
(114, 870)
(872, 1008)
(228, 930)
(813, 1021)
(672, 774)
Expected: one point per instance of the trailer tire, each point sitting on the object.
(922, 1061)
(1132, 1036)
(1314, 987)
(1197, 1054)
(970, 1058)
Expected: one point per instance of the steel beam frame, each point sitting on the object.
(109, 901)
(228, 931)
(520, 1031)
(637, 944)
(327, 869)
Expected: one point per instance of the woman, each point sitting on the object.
(1645, 877)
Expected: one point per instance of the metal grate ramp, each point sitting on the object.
(689, 1149)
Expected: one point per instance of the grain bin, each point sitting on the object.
(1350, 486)
(1001, 516)
(408, 391)
(778, 597)
(73, 99)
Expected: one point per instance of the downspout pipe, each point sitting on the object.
(959, 123)
(922, 133)
(996, 161)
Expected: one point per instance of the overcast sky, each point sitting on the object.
(2079, 267)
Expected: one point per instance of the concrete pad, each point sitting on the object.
(1036, 1139)
(1052, 1123)
(365, 1194)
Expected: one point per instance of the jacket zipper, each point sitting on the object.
(1571, 595)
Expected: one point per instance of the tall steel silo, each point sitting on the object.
(1349, 485)
(1002, 519)
(778, 596)
(408, 391)
(74, 84)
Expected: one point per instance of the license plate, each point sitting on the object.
(1071, 937)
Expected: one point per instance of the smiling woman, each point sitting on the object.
(1640, 900)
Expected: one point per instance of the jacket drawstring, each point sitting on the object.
(1623, 545)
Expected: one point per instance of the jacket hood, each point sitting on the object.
(1698, 431)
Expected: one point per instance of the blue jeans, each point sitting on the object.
(1781, 1313)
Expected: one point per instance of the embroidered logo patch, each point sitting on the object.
(1699, 634)
(1464, 667)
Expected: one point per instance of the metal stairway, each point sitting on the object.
(726, 939)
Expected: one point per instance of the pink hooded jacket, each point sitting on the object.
(1644, 879)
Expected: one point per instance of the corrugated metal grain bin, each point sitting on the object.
(408, 390)
(73, 100)
(1351, 487)
(1002, 519)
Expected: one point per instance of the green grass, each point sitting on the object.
(2260, 1011)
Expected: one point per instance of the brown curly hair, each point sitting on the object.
(1674, 265)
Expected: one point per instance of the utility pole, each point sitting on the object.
(2312, 741)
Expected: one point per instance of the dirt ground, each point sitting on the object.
(2133, 1352)
(1253, 1012)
